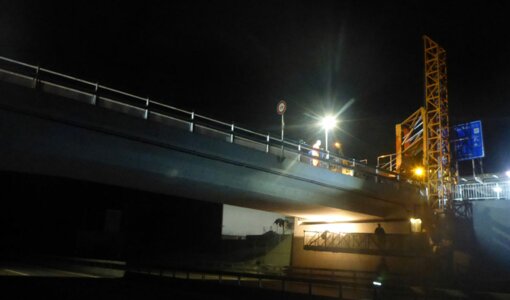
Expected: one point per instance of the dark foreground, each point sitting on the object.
(130, 288)
(150, 287)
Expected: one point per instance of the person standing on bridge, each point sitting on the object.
(380, 235)
(315, 152)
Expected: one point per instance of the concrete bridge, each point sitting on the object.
(58, 125)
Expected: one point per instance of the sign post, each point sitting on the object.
(281, 107)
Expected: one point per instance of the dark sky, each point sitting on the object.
(234, 60)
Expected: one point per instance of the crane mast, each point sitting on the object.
(437, 138)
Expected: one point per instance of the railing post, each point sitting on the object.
(267, 143)
(340, 294)
(146, 114)
(96, 90)
(36, 78)
(299, 152)
(232, 133)
(192, 122)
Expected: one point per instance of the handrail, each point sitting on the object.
(122, 93)
(18, 62)
(212, 120)
(66, 76)
(169, 106)
(327, 159)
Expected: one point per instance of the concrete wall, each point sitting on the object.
(492, 230)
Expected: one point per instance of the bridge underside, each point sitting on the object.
(45, 134)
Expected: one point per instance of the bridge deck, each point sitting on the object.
(129, 145)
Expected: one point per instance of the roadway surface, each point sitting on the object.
(27, 281)
(17, 269)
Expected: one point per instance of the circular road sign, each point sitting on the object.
(281, 107)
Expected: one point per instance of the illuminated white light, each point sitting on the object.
(377, 283)
(415, 221)
(328, 122)
(415, 225)
(507, 173)
(497, 189)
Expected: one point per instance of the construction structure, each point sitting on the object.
(423, 139)
(437, 138)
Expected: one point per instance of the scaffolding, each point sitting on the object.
(410, 146)
(437, 155)
(423, 139)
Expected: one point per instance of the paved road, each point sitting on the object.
(17, 269)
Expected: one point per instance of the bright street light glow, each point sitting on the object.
(377, 283)
(498, 189)
(419, 171)
(507, 173)
(328, 122)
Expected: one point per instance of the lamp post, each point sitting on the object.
(328, 122)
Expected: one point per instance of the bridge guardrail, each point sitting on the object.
(106, 97)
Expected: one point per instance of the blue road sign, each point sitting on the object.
(467, 140)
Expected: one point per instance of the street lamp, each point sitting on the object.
(419, 171)
(328, 122)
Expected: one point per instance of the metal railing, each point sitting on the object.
(387, 162)
(282, 283)
(96, 94)
(482, 191)
(398, 244)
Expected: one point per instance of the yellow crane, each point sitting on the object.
(423, 139)
(437, 138)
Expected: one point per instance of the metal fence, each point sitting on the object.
(398, 244)
(142, 107)
(482, 191)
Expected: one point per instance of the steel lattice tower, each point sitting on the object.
(437, 156)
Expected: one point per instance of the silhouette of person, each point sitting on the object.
(315, 152)
(324, 236)
(381, 235)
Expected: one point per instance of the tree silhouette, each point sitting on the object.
(281, 223)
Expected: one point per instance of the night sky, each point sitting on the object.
(234, 60)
